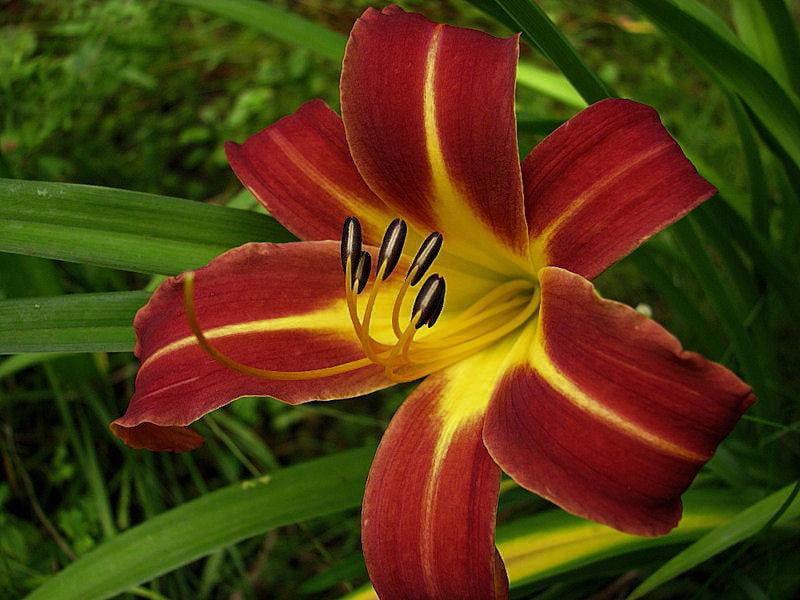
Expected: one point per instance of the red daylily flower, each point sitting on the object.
(579, 399)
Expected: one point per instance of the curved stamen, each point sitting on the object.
(366, 339)
(400, 349)
(429, 301)
(398, 304)
(473, 328)
(496, 314)
(363, 269)
(475, 312)
(191, 315)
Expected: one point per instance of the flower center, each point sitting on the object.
(492, 317)
(501, 311)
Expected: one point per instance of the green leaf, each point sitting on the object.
(540, 31)
(74, 323)
(756, 177)
(741, 527)
(198, 528)
(690, 318)
(549, 83)
(530, 123)
(712, 20)
(122, 229)
(280, 24)
(728, 306)
(732, 66)
(768, 29)
(555, 543)
(775, 269)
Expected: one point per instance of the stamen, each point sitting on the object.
(425, 256)
(429, 302)
(351, 240)
(366, 339)
(479, 313)
(400, 349)
(392, 246)
(352, 307)
(501, 311)
(398, 304)
(427, 308)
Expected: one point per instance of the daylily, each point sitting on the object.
(581, 400)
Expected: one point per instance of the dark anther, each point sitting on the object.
(436, 309)
(429, 302)
(392, 246)
(361, 274)
(425, 256)
(351, 241)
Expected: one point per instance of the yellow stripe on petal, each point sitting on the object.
(469, 390)
(432, 489)
(329, 319)
(452, 208)
(546, 368)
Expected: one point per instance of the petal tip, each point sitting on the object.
(149, 436)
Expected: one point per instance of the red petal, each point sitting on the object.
(429, 509)
(300, 169)
(278, 307)
(604, 182)
(609, 418)
(429, 114)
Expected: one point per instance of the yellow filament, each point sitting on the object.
(191, 315)
(401, 348)
(496, 294)
(350, 297)
(398, 302)
(459, 351)
(366, 339)
(481, 321)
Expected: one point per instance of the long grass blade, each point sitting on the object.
(767, 28)
(276, 22)
(293, 29)
(732, 66)
(122, 229)
(211, 522)
(76, 323)
(782, 506)
(539, 30)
